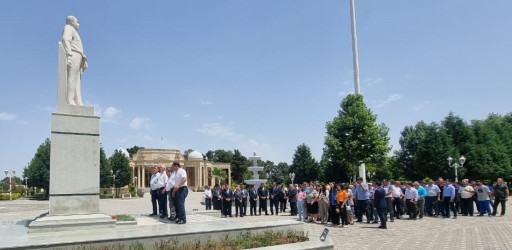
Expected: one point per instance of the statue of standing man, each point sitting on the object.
(76, 60)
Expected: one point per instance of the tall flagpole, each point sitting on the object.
(354, 47)
(362, 167)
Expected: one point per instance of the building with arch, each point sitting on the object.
(199, 170)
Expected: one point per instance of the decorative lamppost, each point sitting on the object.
(456, 165)
(113, 183)
(26, 185)
(292, 176)
(13, 172)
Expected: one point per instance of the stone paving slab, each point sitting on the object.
(429, 233)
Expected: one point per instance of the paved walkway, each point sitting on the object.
(428, 233)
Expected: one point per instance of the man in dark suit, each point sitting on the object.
(274, 198)
(380, 204)
(253, 198)
(244, 200)
(227, 197)
(263, 194)
(292, 197)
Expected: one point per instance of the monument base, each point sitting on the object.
(75, 163)
(71, 222)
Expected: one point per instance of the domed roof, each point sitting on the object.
(125, 152)
(195, 155)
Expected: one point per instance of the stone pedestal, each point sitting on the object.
(75, 163)
(74, 166)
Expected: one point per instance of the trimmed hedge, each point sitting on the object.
(6, 196)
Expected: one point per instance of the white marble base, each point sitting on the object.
(75, 164)
(70, 223)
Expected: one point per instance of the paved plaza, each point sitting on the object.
(428, 233)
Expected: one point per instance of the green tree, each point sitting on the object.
(121, 168)
(218, 174)
(353, 136)
(38, 170)
(105, 176)
(304, 165)
(239, 165)
(220, 155)
(133, 150)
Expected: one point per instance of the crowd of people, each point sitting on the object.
(343, 204)
(169, 186)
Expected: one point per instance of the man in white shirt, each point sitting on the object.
(433, 196)
(411, 198)
(154, 193)
(168, 188)
(466, 193)
(208, 198)
(397, 199)
(180, 192)
(162, 196)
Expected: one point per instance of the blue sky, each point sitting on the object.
(260, 76)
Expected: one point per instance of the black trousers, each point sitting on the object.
(335, 217)
(244, 206)
(449, 206)
(226, 207)
(215, 203)
(293, 207)
(154, 198)
(397, 204)
(208, 203)
(382, 216)
(389, 203)
(495, 205)
(282, 205)
(238, 208)
(466, 206)
(431, 205)
(274, 203)
(162, 202)
(252, 207)
(362, 206)
(412, 211)
(263, 205)
(344, 215)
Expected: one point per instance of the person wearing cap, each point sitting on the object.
(180, 192)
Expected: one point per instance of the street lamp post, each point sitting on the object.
(292, 176)
(113, 183)
(26, 185)
(13, 172)
(456, 165)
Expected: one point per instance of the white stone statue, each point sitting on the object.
(76, 60)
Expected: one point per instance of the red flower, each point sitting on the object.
(113, 217)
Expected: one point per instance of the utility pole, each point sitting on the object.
(354, 47)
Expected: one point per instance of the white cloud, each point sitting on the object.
(391, 98)
(371, 81)
(216, 129)
(7, 116)
(420, 106)
(110, 113)
(139, 122)
(207, 102)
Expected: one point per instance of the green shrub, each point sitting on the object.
(140, 192)
(132, 190)
(7, 197)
